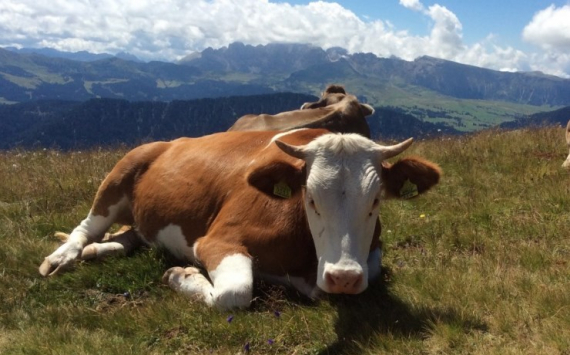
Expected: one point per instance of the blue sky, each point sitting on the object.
(508, 35)
(504, 20)
(480, 18)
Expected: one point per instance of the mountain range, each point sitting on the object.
(463, 97)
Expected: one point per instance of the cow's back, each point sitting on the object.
(201, 185)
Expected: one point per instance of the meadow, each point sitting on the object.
(479, 265)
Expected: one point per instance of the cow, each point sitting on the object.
(298, 207)
(336, 111)
(566, 164)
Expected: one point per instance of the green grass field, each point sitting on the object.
(465, 115)
(479, 265)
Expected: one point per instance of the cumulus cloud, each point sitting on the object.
(412, 4)
(550, 29)
(172, 29)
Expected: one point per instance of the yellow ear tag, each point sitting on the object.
(409, 190)
(281, 189)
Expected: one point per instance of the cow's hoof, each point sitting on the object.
(89, 252)
(177, 272)
(61, 236)
(48, 268)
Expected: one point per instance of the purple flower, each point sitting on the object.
(126, 294)
(246, 347)
(270, 341)
(230, 318)
(277, 314)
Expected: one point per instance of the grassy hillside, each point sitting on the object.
(466, 115)
(480, 265)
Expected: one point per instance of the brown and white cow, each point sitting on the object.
(336, 111)
(299, 207)
(566, 163)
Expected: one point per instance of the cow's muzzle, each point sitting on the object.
(348, 281)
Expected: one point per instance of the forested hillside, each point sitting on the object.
(556, 117)
(109, 122)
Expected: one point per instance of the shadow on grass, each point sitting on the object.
(377, 311)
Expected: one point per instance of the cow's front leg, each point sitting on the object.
(190, 282)
(230, 270)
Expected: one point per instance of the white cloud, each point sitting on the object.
(171, 29)
(550, 29)
(412, 4)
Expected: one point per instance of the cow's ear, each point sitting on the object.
(409, 177)
(366, 109)
(279, 179)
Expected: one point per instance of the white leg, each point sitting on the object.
(232, 282)
(91, 229)
(190, 282)
(120, 243)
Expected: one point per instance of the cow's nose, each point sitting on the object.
(344, 281)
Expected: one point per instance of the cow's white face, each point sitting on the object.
(342, 200)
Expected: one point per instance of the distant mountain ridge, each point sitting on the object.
(82, 56)
(271, 67)
(461, 96)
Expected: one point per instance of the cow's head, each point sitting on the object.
(566, 163)
(344, 185)
(334, 94)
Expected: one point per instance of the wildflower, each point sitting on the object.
(422, 216)
(277, 314)
(270, 341)
(246, 347)
(230, 318)
(127, 294)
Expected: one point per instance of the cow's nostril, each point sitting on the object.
(330, 280)
(343, 281)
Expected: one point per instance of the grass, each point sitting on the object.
(479, 265)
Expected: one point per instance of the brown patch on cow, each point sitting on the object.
(265, 177)
(121, 179)
(422, 173)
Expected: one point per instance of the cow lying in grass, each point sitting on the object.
(298, 207)
(336, 111)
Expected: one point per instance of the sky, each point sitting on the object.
(508, 35)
